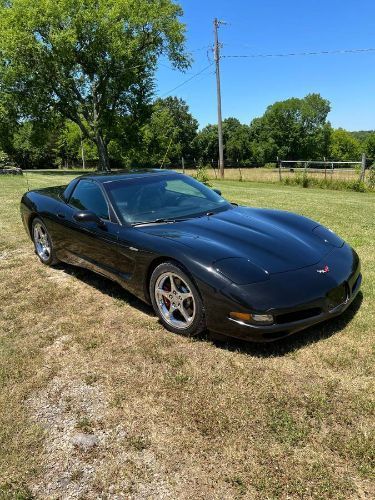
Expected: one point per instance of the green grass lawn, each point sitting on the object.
(175, 417)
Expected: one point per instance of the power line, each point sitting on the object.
(293, 54)
(188, 80)
(200, 48)
(166, 66)
(203, 77)
(206, 76)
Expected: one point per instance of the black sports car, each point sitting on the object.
(202, 262)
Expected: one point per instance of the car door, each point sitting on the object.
(89, 244)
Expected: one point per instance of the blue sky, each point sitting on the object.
(272, 26)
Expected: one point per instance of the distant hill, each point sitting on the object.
(361, 135)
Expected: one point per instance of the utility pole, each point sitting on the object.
(219, 116)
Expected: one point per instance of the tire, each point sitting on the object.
(42, 243)
(176, 300)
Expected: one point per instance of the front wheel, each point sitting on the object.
(43, 243)
(176, 300)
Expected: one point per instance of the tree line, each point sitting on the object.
(294, 129)
(77, 85)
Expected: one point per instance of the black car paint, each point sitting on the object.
(242, 259)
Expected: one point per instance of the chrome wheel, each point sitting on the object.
(175, 300)
(42, 243)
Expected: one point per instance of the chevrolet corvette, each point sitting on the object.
(200, 261)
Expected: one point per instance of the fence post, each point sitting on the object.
(325, 169)
(363, 168)
(213, 167)
(183, 165)
(279, 166)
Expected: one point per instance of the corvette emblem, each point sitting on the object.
(325, 270)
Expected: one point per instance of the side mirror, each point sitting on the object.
(217, 191)
(87, 216)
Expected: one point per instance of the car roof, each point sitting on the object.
(103, 177)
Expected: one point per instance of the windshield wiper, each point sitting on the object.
(176, 219)
(159, 221)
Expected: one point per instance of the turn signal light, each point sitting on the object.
(265, 319)
(240, 316)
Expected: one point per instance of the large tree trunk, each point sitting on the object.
(102, 152)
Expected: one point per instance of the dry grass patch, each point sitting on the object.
(272, 174)
(98, 400)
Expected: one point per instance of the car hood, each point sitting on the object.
(275, 241)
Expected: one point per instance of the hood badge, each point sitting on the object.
(325, 270)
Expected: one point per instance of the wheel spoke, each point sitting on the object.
(173, 284)
(184, 313)
(163, 293)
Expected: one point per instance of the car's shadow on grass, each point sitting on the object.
(269, 349)
(296, 341)
(106, 286)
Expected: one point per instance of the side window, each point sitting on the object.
(88, 196)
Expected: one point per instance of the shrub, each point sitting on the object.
(358, 186)
(301, 180)
(202, 175)
(4, 158)
(338, 185)
(371, 178)
(305, 181)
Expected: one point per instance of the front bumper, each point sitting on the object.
(296, 299)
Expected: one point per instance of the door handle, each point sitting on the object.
(61, 216)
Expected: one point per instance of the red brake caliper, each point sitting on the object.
(167, 302)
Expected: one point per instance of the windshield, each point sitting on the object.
(173, 197)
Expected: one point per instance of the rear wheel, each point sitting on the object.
(176, 300)
(43, 243)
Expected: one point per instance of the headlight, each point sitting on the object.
(240, 270)
(266, 319)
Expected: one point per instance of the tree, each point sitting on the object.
(8, 127)
(69, 145)
(91, 61)
(33, 145)
(362, 135)
(236, 139)
(293, 129)
(170, 133)
(344, 147)
(206, 144)
(370, 146)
